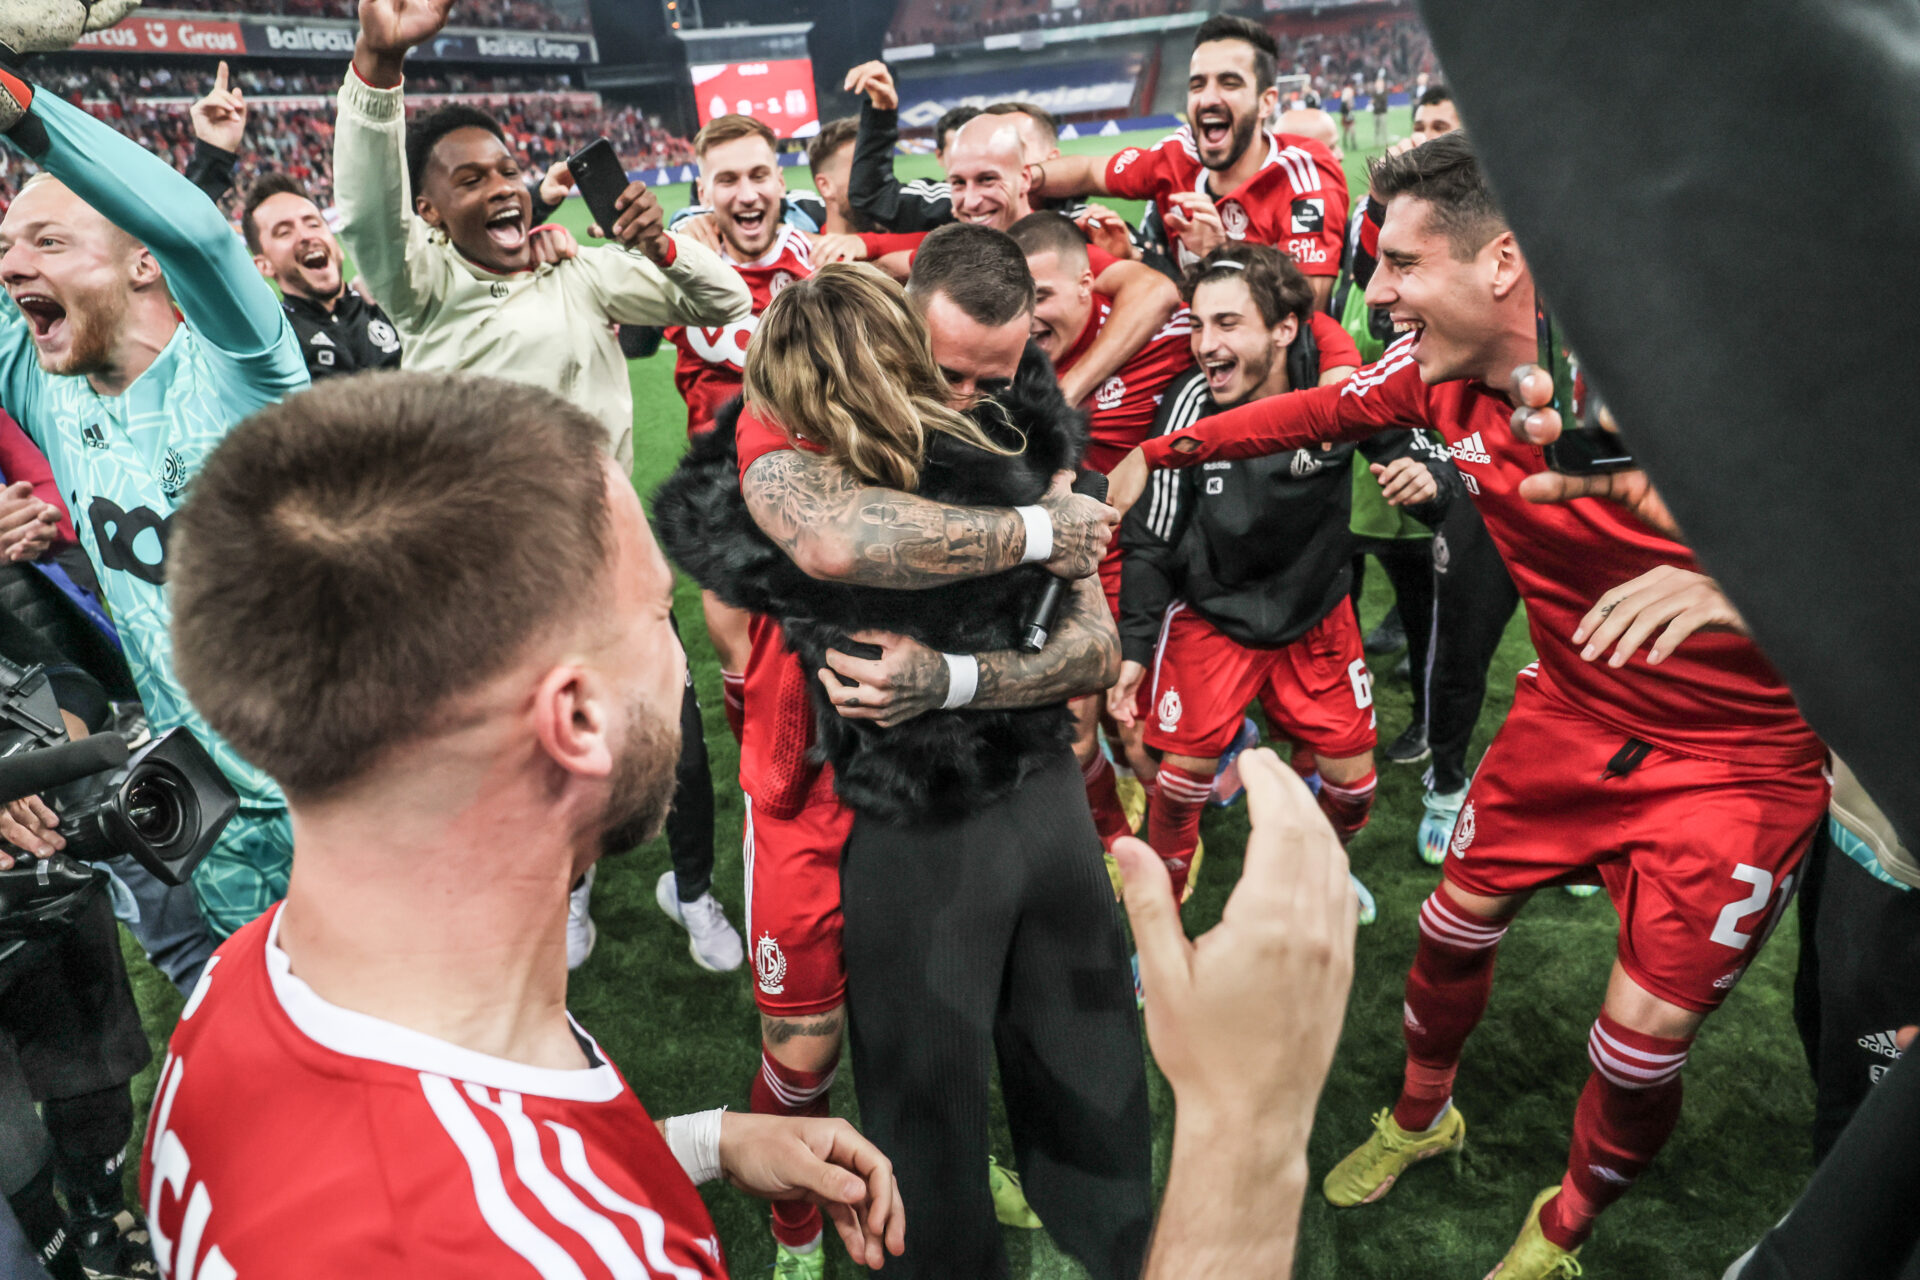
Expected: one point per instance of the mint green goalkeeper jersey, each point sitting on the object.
(123, 462)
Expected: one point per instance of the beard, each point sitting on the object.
(92, 325)
(1238, 142)
(642, 782)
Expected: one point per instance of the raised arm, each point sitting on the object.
(1143, 302)
(208, 271)
(1069, 176)
(1082, 656)
(872, 185)
(837, 529)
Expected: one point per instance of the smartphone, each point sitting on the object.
(1585, 447)
(601, 177)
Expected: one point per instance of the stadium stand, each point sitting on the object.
(521, 15)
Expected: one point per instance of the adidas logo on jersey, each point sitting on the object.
(1880, 1042)
(1472, 449)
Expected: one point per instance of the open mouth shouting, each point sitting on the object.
(1404, 325)
(47, 317)
(1220, 371)
(1214, 127)
(507, 227)
(751, 222)
(314, 257)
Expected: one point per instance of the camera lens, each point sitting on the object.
(153, 808)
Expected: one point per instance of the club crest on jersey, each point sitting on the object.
(1303, 465)
(1442, 553)
(779, 281)
(381, 335)
(769, 965)
(1234, 219)
(1169, 710)
(1110, 394)
(1463, 831)
(1309, 216)
(173, 473)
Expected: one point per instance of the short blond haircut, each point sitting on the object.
(731, 128)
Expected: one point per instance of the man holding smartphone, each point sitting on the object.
(437, 217)
(1686, 783)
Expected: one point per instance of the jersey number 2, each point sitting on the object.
(1724, 931)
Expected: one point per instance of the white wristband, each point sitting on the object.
(695, 1142)
(1039, 534)
(963, 680)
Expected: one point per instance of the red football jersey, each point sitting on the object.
(1297, 202)
(1122, 409)
(1716, 697)
(295, 1139)
(713, 361)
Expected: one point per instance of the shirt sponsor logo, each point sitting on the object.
(1169, 710)
(1305, 251)
(1234, 219)
(726, 345)
(1110, 394)
(1309, 216)
(1463, 829)
(1125, 158)
(769, 965)
(1471, 449)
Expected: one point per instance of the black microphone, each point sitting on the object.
(1039, 620)
(31, 772)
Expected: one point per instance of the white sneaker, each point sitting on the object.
(581, 933)
(714, 944)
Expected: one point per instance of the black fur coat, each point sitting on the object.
(943, 764)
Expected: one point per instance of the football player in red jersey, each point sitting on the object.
(378, 1078)
(1223, 176)
(743, 185)
(988, 177)
(1685, 782)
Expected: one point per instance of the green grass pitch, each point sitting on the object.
(687, 1039)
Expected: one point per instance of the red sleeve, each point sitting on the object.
(20, 460)
(1382, 395)
(881, 243)
(1136, 173)
(756, 439)
(1336, 345)
(1098, 260)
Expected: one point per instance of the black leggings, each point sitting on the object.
(1409, 566)
(999, 933)
(690, 820)
(1473, 601)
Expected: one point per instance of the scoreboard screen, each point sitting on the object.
(778, 93)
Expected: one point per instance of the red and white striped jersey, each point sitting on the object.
(1121, 410)
(713, 361)
(1297, 202)
(294, 1139)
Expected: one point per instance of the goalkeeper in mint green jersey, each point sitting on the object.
(126, 395)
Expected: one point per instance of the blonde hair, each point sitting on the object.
(841, 361)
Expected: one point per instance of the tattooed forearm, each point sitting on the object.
(1082, 656)
(836, 528)
(777, 1031)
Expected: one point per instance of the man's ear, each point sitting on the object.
(428, 214)
(1507, 265)
(1286, 332)
(1269, 104)
(573, 721)
(264, 267)
(143, 269)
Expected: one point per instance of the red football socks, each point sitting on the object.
(780, 1090)
(1626, 1114)
(1103, 797)
(1173, 824)
(733, 697)
(1348, 804)
(1446, 994)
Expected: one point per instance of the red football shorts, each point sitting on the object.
(1202, 681)
(1699, 856)
(793, 904)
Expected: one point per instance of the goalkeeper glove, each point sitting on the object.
(43, 26)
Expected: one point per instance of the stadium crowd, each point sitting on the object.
(1008, 517)
(518, 15)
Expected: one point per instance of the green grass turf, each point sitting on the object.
(687, 1039)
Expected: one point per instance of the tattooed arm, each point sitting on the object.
(1082, 656)
(836, 528)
